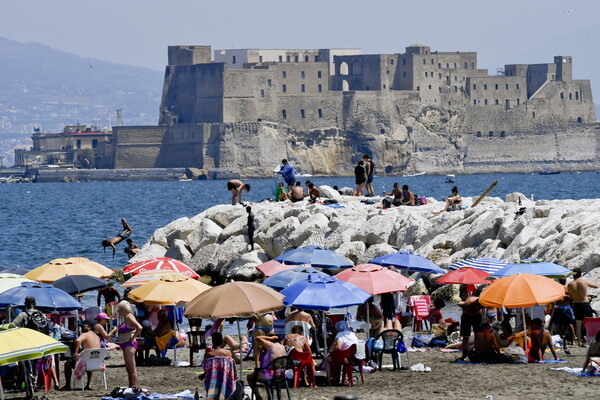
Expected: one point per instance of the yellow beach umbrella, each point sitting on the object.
(61, 267)
(9, 281)
(20, 344)
(169, 289)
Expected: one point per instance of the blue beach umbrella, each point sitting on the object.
(14, 270)
(319, 292)
(315, 256)
(283, 279)
(487, 264)
(409, 261)
(547, 269)
(47, 297)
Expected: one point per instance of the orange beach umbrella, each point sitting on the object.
(61, 267)
(521, 290)
(169, 289)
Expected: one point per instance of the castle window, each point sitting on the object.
(280, 58)
(506, 86)
(507, 104)
(484, 87)
(302, 114)
(478, 134)
(517, 86)
(319, 88)
(259, 58)
(576, 95)
(306, 58)
(553, 77)
(319, 73)
(283, 114)
(447, 65)
(518, 101)
(295, 58)
(387, 72)
(485, 102)
(233, 60)
(432, 61)
(429, 87)
(455, 78)
(302, 88)
(472, 65)
(570, 96)
(474, 86)
(384, 86)
(440, 89)
(302, 74)
(465, 65)
(455, 88)
(533, 114)
(392, 61)
(418, 88)
(426, 74)
(424, 61)
(269, 83)
(496, 86)
(454, 65)
(502, 134)
(474, 101)
(440, 75)
(404, 74)
(284, 88)
(491, 134)
(579, 120)
(287, 58)
(404, 61)
(562, 95)
(439, 65)
(283, 74)
(496, 102)
(262, 93)
(320, 112)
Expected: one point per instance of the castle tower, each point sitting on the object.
(564, 68)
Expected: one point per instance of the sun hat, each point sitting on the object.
(102, 316)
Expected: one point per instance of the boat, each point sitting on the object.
(450, 178)
(410, 174)
(185, 180)
(548, 171)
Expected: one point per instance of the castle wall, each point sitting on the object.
(137, 146)
(189, 55)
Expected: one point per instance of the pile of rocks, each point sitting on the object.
(215, 241)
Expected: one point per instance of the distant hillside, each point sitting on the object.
(48, 88)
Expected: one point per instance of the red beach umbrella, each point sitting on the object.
(164, 263)
(375, 279)
(272, 267)
(466, 275)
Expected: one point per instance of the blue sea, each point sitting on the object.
(40, 222)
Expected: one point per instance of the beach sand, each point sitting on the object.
(447, 380)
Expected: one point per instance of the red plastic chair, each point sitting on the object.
(343, 359)
(302, 361)
(419, 307)
(592, 325)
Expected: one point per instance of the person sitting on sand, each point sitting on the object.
(297, 193)
(436, 319)
(486, 349)
(132, 249)
(593, 354)
(113, 241)
(540, 339)
(313, 193)
(453, 203)
(270, 350)
(236, 187)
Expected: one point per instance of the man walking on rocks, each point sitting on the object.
(370, 172)
(577, 289)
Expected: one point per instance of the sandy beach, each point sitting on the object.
(447, 380)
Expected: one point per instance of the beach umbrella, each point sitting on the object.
(164, 263)
(548, 269)
(467, 275)
(143, 277)
(14, 270)
(375, 279)
(235, 299)
(60, 267)
(315, 256)
(169, 289)
(22, 344)
(283, 279)
(409, 261)
(319, 292)
(521, 290)
(9, 281)
(73, 284)
(487, 264)
(47, 297)
(272, 267)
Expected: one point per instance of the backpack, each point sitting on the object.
(38, 322)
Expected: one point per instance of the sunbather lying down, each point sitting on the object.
(227, 346)
(593, 355)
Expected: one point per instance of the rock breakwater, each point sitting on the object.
(215, 241)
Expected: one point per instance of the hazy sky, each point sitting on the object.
(137, 32)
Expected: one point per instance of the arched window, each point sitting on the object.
(478, 134)
(345, 86)
(344, 68)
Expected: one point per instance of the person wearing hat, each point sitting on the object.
(100, 330)
(87, 340)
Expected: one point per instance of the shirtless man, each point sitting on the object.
(218, 349)
(87, 340)
(540, 339)
(577, 289)
(408, 198)
(299, 315)
(486, 349)
(297, 193)
(119, 238)
(313, 192)
(470, 319)
(132, 249)
(396, 192)
(235, 186)
(563, 317)
(110, 295)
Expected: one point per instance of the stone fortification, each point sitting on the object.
(214, 242)
(419, 110)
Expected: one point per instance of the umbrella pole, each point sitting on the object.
(368, 321)
(9, 320)
(240, 350)
(324, 329)
(524, 329)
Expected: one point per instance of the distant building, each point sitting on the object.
(69, 148)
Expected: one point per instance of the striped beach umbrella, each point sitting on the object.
(487, 264)
(144, 277)
(160, 263)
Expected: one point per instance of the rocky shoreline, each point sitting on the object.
(214, 242)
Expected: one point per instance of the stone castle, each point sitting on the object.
(423, 110)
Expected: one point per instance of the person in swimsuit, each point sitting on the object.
(297, 193)
(127, 229)
(593, 353)
(236, 187)
(563, 317)
(396, 192)
(251, 227)
(270, 350)
(132, 249)
(296, 340)
(540, 339)
(360, 177)
(577, 289)
(100, 330)
(453, 203)
(370, 172)
(313, 193)
(128, 334)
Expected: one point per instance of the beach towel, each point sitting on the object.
(334, 205)
(219, 380)
(80, 368)
(552, 361)
(185, 395)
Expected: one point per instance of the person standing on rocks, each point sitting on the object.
(577, 289)
(360, 177)
(288, 173)
(370, 172)
(251, 228)
(235, 186)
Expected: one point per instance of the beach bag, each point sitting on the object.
(401, 346)
(38, 322)
(360, 350)
(387, 202)
(422, 200)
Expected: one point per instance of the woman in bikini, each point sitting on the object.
(100, 330)
(453, 203)
(128, 333)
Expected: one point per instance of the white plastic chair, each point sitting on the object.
(94, 361)
(305, 327)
